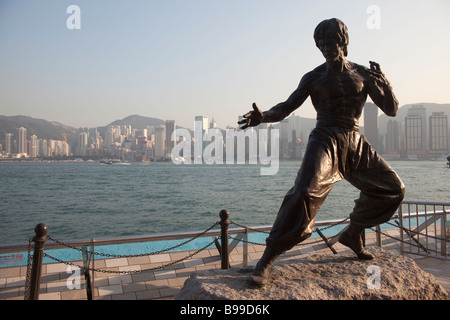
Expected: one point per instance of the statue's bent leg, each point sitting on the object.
(315, 179)
(382, 190)
(296, 217)
(381, 193)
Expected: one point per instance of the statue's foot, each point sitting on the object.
(352, 239)
(257, 281)
(260, 276)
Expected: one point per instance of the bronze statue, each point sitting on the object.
(336, 150)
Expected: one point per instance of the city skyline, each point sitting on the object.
(180, 59)
(418, 134)
(233, 124)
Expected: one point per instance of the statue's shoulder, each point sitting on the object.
(358, 67)
(315, 73)
(318, 70)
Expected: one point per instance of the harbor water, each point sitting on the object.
(86, 200)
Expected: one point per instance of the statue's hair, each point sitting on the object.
(333, 28)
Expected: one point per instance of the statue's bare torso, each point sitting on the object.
(342, 94)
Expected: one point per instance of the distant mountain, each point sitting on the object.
(43, 129)
(138, 122)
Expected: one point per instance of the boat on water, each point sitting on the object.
(448, 162)
(112, 161)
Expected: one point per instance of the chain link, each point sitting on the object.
(26, 295)
(81, 249)
(256, 230)
(263, 244)
(130, 271)
(267, 232)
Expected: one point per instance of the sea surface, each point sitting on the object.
(86, 200)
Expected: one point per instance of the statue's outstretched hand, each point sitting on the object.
(252, 118)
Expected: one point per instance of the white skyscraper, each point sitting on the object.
(82, 143)
(34, 146)
(8, 139)
(204, 121)
(22, 141)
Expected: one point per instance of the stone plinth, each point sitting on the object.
(321, 277)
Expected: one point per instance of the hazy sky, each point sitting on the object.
(178, 59)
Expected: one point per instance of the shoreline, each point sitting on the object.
(10, 160)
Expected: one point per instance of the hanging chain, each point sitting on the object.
(130, 271)
(298, 245)
(81, 249)
(28, 274)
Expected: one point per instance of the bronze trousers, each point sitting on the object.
(332, 154)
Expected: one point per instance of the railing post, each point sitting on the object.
(36, 268)
(87, 276)
(224, 215)
(378, 235)
(245, 249)
(400, 216)
(443, 233)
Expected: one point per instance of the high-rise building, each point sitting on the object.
(284, 129)
(22, 141)
(109, 136)
(414, 134)
(420, 113)
(43, 148)
(204, 121)
(371, 124)
(82, 143)
(170, 128)
(8, 145)
(34, 146)
(160, 142)
(201, 127)
(294, 125)
(126, 130)
(65, 148)
(150, 131)
(438, 133)
(213, 124)
(393, 137)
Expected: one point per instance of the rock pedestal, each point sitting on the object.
(322, 277)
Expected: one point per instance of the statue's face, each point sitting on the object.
(331, 49)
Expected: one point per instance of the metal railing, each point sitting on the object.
(424, 222)
(224, 246)
(423, 228)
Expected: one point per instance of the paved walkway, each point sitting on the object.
(163, 283)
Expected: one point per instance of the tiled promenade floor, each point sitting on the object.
(164, 283)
